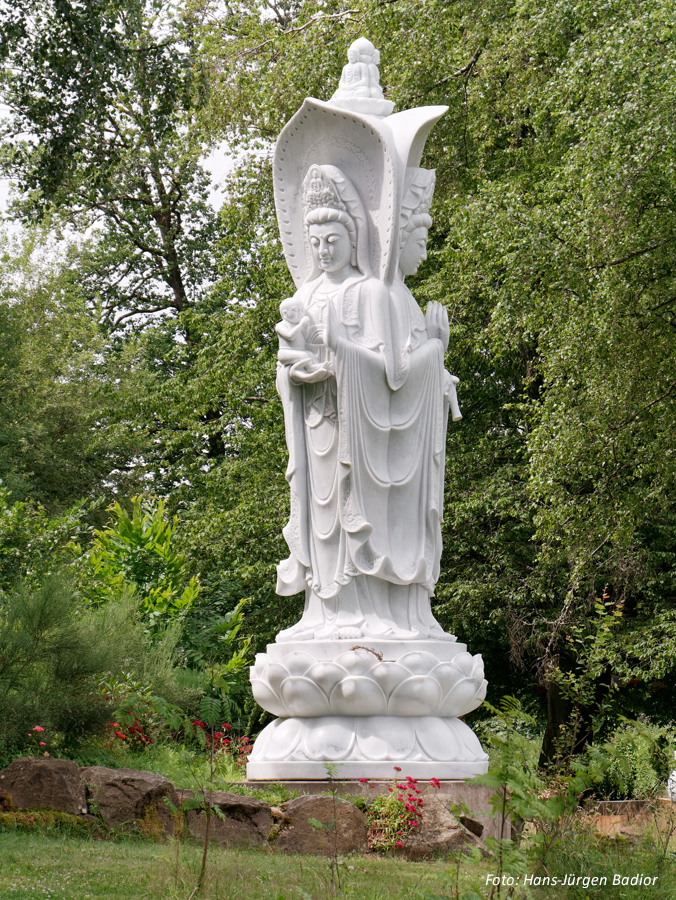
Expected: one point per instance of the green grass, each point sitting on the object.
(184, 767)
(69, 868)
(74, 868)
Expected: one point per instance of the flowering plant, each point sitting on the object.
(36, 734)
(395, 814)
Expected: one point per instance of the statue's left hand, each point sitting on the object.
(436, 322)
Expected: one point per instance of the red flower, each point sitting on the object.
(363, 780)
(38, 728)
(435, 782)
(397, 768)
(120, 735)
(399, 843)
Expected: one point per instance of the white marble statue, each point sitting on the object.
(367, 678)
(359, 89)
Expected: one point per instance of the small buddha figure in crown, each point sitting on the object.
(359, 89)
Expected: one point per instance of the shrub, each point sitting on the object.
(640, 756)
(55, 651)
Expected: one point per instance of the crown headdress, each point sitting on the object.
(320, 192)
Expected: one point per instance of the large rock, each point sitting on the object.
(344, 828)
(439, 832)
(247, 821)
(127, 796)
(52, 783)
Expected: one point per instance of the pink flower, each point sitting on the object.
(38, 728)
(399, 843)
(363, 780)
(42, 744)
(390, 789)
(397, 768)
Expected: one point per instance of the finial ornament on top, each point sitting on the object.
(359, 89)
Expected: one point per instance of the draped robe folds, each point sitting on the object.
(366, 466)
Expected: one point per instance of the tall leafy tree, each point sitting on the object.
(103, 98)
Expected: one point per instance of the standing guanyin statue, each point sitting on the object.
(367, 679)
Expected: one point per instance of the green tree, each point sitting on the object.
(110, 92)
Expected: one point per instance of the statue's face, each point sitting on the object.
(330, 243)
(414, 252)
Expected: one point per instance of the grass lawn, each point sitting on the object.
(69, 868)
(72, 868)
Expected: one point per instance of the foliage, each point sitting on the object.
(53, 652)
(641, 761)
(136, 550)
(111, 89)
(57, 379)
(523, 797)
(34, 544)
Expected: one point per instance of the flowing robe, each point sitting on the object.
(366, 465)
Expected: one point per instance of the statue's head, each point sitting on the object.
(334, 219)
(415, 221)
(292, 310)
(362, 50)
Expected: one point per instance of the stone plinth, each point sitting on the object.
(475, 797)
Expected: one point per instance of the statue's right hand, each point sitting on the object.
(436, 322)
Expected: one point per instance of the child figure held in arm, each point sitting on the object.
(293, 332)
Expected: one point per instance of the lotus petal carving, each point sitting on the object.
(358, 684)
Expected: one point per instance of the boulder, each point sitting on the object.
(52, 783)
(247, 821)
(339, 828)
(127, 796)
(439, 832)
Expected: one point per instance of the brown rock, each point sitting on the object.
(344, 828)
(51, 783)
(125, 797)
(247, 821)
(439, 832)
